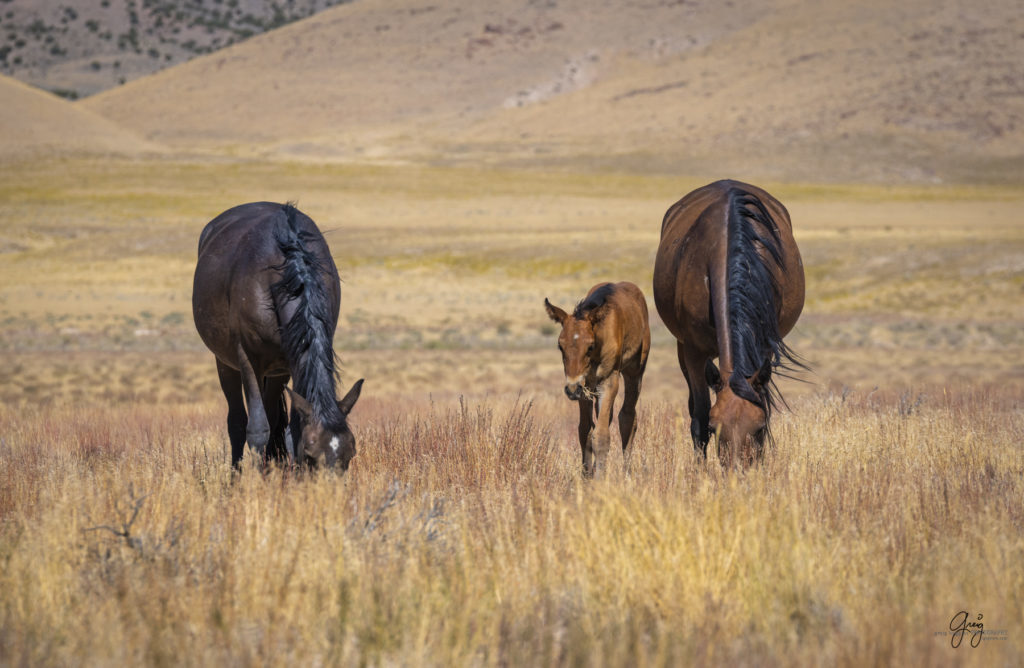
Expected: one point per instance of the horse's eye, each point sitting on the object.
(590, 348)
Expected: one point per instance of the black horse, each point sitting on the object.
(265, 299)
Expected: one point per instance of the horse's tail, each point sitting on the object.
(753, 297)
(304, 313)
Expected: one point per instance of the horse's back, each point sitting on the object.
(630, 299)
(634, 327)
(693, 252)
(231, 234)
(240, 258)
(713, 198)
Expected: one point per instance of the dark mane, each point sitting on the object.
(753, 296)
(307, 337)
(594, 300)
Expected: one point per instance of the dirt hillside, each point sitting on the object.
(76, 48)
(917, 91)
(34, 123)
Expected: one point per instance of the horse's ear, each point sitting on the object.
(763, 375)
(555, 313)
(711, 375)
(598, 313)
(346, 404)
(300, 404)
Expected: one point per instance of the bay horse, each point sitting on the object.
(606, 336)
(265, 299)
(729, 283)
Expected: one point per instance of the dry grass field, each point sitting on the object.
(463, 534)
(467, 160)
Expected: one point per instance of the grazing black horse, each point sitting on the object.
(265, 299)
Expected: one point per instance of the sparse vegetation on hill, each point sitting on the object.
(75, 49)
(785, 90)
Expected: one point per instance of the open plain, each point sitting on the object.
(463, 534)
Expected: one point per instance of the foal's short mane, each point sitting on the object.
(307, 337)
(594, 300)
(753, 299)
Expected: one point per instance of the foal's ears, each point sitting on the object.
(555, 313)
(346, 404)
(300, 404)
(711, 375)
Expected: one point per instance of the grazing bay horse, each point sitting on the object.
(729, 283)
(265, 299)
(606, 336)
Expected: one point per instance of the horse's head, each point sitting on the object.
(579, 346)
(318, 444)
(735, 420)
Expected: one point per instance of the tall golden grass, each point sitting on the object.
(464, 535)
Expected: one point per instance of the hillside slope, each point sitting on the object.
(785, 89)
(77, 48)
(34, 123)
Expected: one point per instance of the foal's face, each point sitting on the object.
(579, 347)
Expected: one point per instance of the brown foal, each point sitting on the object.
(607, 335)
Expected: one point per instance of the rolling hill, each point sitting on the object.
(75, 49)
(34, 123)
(918, 91)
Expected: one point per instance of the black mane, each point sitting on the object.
(753, 297)
(307, 337)
(594, 300)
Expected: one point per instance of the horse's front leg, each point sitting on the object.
(600, 437)
(257, 431)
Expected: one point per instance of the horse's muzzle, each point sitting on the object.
(574, 392)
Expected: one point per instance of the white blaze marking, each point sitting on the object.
(575, 337)
(334, 445)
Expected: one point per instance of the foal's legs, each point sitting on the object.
(585, 429)
(692, 364)
(600, 437)
(231, 385)
(627, 415)
(257, 431)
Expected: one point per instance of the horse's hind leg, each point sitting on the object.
(692, 365)
(627, 414)
(257, 431)
(231, 385)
